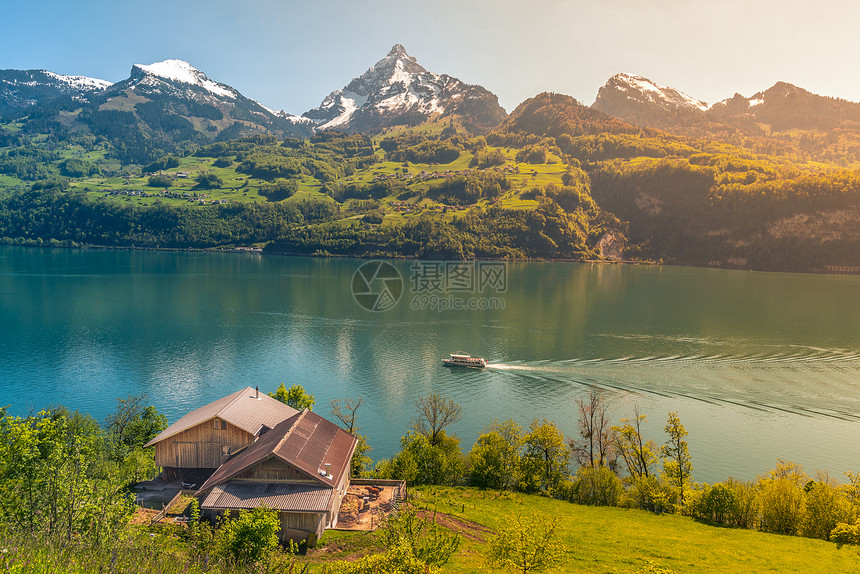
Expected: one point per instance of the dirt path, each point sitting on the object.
(471, 530)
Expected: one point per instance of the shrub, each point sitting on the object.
(250, 537)
(399, 558)
(648, 493)
(844, 533)
(419, 539)
(597, 486)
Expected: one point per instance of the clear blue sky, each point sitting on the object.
(289, 55)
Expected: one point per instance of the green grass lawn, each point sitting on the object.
(610, 540)
(7, 181)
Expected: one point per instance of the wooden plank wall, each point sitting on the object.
(200, 446)
(303, 522)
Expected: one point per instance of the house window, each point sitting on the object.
(217, 424)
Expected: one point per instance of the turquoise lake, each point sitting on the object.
(759, 366)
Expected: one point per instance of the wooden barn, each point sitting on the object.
(300, 467)
(204, 439)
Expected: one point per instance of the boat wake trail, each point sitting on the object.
(799, 380)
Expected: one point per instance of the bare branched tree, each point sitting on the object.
(344, 411)
(596, 448)
(435, 412)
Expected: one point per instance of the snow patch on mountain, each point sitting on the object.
(82, 83)
(182, 72)
(347, 103)
(655, 93)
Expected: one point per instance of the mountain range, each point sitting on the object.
(782, 119)
(767, 181)
(161, 106)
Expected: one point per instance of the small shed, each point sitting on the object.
(300, 468)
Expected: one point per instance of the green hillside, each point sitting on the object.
(557, 180)
(600, 539)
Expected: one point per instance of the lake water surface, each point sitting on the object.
(758, 365)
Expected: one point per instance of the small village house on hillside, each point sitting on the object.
(257, 451)
(206, 437)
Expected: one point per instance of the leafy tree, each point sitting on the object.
(495, 457)
(719, 504)
(360, 463)
(159, 181)
(527, 543)
(133, 425)
(826, 506)
(783, 498)
(280, 190)
(544, 462)
(209, 180)
(639, 455)
(250, 537)
(55, 481)
(677, 464)
(420, 462)
(435, 413)
(852, 490)
(746, 510)
(295, 397)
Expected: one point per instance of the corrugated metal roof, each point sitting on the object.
(297, 497)
(242, 409)
(306, 441)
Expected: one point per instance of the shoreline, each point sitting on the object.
(390, 257)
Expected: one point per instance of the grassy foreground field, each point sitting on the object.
(610, 540)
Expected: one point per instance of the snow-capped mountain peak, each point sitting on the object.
(397, 51)
(398, 89)
(180, 71)
(643, 89)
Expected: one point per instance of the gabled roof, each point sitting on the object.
(242, 409)
(305, 441)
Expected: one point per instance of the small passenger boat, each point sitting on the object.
(460, 359)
